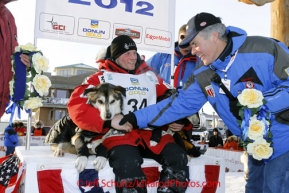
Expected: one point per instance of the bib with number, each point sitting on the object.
(140, 89)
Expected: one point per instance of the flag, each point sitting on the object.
(204, 179)
(66, 180)
(10, 174)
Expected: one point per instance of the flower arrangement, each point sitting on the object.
(255, 124)
(28, 85)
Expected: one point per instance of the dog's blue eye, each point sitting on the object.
(100, 101)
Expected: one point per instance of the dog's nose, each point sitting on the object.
(108, 116)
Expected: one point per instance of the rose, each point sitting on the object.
(256, 128)
(251, 98)
(32, 103)
(41, 84)
(260, 149)
(40, 63)
(28, 47)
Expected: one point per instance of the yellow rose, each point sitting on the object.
(40, 63)
(29, 47)
(251, 98)
(260, 149)
(32, 103)
(256, 128)
(41, 84)
(17, 48)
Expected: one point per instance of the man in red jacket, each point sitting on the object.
(8, 41)
(125, 151)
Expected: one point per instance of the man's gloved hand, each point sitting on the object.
(81, 163)
(129, 118)
(234, 108)
(99, 163)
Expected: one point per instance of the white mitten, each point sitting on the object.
(99, 162)
(81, 163)
(153, 143)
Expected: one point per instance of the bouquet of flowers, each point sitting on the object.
(28, 84)
(255, 124)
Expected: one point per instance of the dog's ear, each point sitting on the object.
(90, 93)
(120, 89)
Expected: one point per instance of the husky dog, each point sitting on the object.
(107, 98)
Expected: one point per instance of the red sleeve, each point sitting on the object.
(84, 115)
(162, 86)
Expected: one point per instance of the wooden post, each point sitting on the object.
(280, 20)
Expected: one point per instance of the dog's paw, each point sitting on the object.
(81, 163)
(99, 162)
(58, 153)
(153, 143)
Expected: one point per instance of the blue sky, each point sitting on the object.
(254, 19)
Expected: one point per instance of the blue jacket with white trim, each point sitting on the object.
(259, 61)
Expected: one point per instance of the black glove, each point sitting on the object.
(129, 118)
(156, 134)
(14, 143)
(101, 150)
(234, 108)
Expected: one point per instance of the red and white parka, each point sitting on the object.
(88, 118)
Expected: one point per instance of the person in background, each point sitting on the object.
(38, 129)
(20, 129)
(184, 62)
(8, 41)
(255, 63)
(232, 141)
(215, 140)
(10, 139)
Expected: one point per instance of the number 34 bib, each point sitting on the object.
(140, 89)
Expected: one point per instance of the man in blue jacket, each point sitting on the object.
(240, 62)
(184, 62)
(10, 139)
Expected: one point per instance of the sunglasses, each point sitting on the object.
(182, 37)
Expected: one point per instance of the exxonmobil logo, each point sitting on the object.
(159, 37)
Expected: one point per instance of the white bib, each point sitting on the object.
(140, 89)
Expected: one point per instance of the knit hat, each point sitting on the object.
(215, 129)
(120, 45)
(197, 24)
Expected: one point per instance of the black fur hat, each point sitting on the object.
(120, 45)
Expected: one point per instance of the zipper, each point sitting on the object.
(10, 37)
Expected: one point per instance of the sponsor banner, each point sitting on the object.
(150, 23)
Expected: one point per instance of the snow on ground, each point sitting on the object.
(235, 182)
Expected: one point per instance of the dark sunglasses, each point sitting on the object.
(182, 37)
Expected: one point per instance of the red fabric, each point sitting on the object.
(146, 136)
(7, 45)
(38, 132)
(232, 144)
(51, 176)
(131, 138)
(188, 127)
(20, 131)
(212, 178)
(182, 66)
(152, 174)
